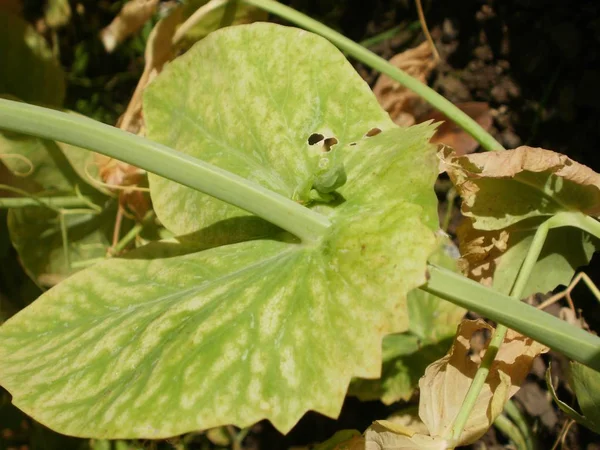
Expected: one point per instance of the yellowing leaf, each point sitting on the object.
(397, 100)
(131, 18)
(446, 382)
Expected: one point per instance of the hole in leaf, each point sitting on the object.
(314, 138)
(328, 143)
(373, 132)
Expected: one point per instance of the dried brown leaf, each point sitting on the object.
(129, 21)
(385, 435)
(480, 251)
(398, 101)
(506, 195)
(159, 51)
(553, 176)
(452, 135)
(446, 381)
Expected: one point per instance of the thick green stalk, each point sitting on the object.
(372, 60)
(163, 161)
(571, 341)
(546, 329)
(498, 337)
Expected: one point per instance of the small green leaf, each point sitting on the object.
(586, 383)
(34, 75)
(565, 250)
(570, 412)
(37, 236)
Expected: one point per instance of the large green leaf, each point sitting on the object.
(432, 325)
(212, 330)
(30, 71)
(248, 101)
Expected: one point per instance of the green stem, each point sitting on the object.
(65, 241)
(544, 328)
(50, 202)
(132, 234)
(511, 431)
(515, 414)
(371, 59)
(161, 160)
(498, 337)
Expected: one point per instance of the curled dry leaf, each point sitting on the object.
(500, 189)
(446, 382)
(400, 102)
(159, 51)
(130, 19)
(386, 435)
(450, 134)
(506, 196)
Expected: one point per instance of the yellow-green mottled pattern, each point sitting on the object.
(262, 329)
(169, 340)
(247, 99)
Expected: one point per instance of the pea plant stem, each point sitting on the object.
(161, 160)
(87, 133)
(546, 329)
(498, 337)
(369, 58)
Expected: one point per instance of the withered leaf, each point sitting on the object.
(450, 134)
(129, 21)
(446, 381)
(506, 196)
(401, 103)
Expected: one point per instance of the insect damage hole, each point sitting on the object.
(328, 143)
(315, 138)
(373, 132)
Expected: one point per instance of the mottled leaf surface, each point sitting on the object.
(173, 339)
(34, 76)
(256, 125)
(432, 325)
(158, 347)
